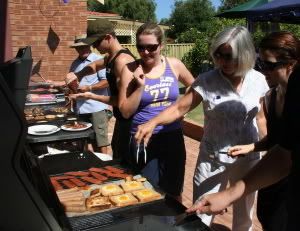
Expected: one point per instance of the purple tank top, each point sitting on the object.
(159, 93)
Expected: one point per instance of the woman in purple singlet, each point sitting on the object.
(147, 87)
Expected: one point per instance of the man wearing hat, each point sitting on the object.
(88, 109)
(101, 35)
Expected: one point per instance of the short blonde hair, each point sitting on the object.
(243, 50)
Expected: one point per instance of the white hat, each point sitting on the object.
(78, 41)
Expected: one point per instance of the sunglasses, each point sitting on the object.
(148, 47)
(224, 56)
(97, 42)
(269, 66)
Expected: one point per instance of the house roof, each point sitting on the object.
(93, 14)
(113, 17)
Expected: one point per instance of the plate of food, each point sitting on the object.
(76, 126)
(42, 130)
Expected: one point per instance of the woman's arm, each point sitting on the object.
(111, 100)
(131, 89)
(261, 145)
(274, 166)
(184, 75)
(261, 119)
(90, 69)
(185, 104)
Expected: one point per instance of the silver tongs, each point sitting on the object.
(138, 153)
(179, 219)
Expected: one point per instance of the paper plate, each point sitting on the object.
(42, 130)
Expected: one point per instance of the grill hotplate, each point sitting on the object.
(152, 216)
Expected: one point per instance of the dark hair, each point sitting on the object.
(285, 45)
(150, 28)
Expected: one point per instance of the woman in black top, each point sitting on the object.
(278, 57)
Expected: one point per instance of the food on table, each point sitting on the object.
(50, 116)
(109, 173)
(78, 198)
(97, 203)
(52, 90)
(77, 182)
(123, 200)
(130, 186)
(39, 89)
(60, 109)
(66, 191)
(72, 200)
(37, 98)
(71, 118)
(68, 184)
(98, 176)
(75, 125)
(56, 185)
(33, 111)
(40, 117)
(77, 173)
(60, 115)
(85, 178)
(91, 180)
(128, 178)
(61, 177)
(111, 190)
(114, 169)
(146, 195)
(29, 117)
(141, 179)
(95, 192)
(41, 121)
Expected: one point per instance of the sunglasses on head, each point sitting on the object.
(148, 47)
(224, 56)
(97, 42)
(269, 66)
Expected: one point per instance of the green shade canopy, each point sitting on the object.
(239, 11)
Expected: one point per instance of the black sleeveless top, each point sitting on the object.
(112, 80)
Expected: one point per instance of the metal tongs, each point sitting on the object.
(179, 219)
(138, 152)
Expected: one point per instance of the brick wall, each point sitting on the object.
(48, 26)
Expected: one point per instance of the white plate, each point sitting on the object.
(88, 125)
(42, 130)
(102, 156)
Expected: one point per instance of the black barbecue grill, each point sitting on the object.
(28, 200)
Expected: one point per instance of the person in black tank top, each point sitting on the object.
(271, 201)
(121, 136)
(101, 35)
